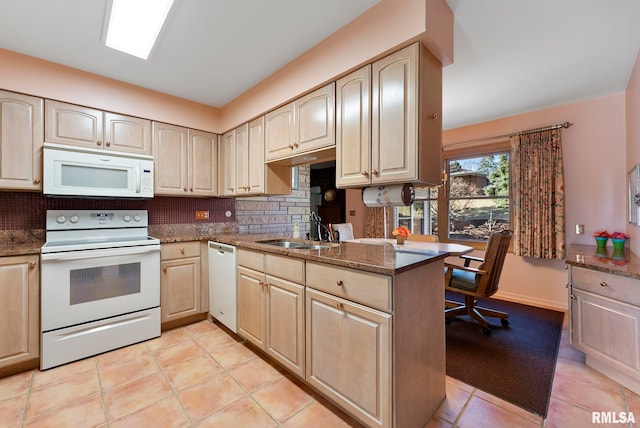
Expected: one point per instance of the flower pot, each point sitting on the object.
(618, 244)
(400, 239)
(601, 241)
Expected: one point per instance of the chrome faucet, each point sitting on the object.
(319, 226)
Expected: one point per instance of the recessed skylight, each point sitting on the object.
(134, 25)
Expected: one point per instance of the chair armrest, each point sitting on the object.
(467, 259)
(465, 268)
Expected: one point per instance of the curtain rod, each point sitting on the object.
(529, 131)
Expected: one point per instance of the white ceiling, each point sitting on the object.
(510, 56)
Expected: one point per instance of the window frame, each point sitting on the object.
(495, 148)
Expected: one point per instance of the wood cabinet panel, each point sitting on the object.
(279, 132)
(252, 322)
(19, 309)
(21, 139)
(315, 119)
(180, 288)
(255, 156)
(241, 160)
(170, 159)
(349, 356)
(353, 129)
(362, 287)
(228, 164)
(285, 309)
(127, 134)
(203, 163)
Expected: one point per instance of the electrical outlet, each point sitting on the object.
(202, 215)
(579, 229)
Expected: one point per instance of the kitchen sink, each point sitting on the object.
(295, 245)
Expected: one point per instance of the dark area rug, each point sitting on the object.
(515, 363)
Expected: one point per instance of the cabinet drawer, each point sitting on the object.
(608, 285)
(284, 267)
(369, 289)
(251, 259)
(179, 250)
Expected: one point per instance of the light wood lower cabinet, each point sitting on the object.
(271, 308)
(605, 319)
(373, 344)
(349, 355)
(19, 310)
(180, 281)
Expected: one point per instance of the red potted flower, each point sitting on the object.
(601, 238)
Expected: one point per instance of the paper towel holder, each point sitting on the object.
(394, 195)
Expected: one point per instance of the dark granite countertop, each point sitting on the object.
(383, 259)
(21, 242)
(623, 263)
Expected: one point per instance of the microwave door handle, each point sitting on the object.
(137, 169)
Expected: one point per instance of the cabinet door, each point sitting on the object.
(241, 160)
(228, 164)
(127, 134)
(180, 291)
(170, 159)
(353, 129)
(21, 138)
(315, 119)
(251, 293)
(19, 309)
(595, 318)
(203, 163)
(73, 125)
(256, 166)
(394, 134)
(279, 132)
(348, 356)
(285, 323)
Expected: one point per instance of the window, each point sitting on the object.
(475, 198)
(422, 216)
(478, 193)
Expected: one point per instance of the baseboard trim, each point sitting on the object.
(531, 301)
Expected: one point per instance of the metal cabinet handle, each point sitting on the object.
(375, 172)
(99, 143)
(603, 284)
(434, 115)
(164, 269)
(291, 146)
(32, 265)
(365, 173)
(296, 145)
(340, 305)
(339, 283)
(573, 297)
(36, 181)
(182, 251)
(108, 144)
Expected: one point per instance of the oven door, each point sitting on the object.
(89, 285)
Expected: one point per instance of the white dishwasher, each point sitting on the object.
(222, 283)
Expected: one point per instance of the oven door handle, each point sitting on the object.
(107, 252)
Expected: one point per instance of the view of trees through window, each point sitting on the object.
(478, 196)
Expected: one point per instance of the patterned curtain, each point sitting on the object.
(374, 226)
(538, 194)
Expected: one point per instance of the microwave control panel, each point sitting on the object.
(146, 181)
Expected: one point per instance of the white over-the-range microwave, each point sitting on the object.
(84, 172)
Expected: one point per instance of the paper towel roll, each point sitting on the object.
(389, 196)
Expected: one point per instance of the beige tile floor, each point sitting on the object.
(199, 376)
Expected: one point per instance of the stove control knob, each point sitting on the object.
(127, 218)
(74, 219)
(61, 219)
(137, 218)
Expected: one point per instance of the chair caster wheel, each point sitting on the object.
(505, 322)
(486, 331)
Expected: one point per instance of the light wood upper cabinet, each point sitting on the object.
(180, 281)
(21, 138)
(185, 161)
(19, 309)
(82, 126)
(406, 123)
(243, 171)
(228, 164)
(353, 129)
(203, 163)
(304, 125)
